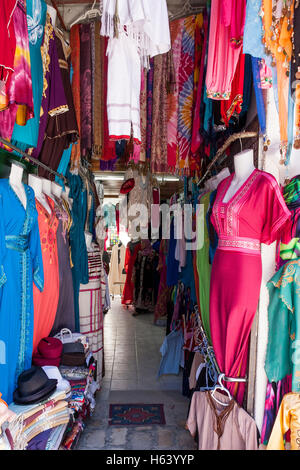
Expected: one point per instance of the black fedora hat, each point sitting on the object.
(33, 386)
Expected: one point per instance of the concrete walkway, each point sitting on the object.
(132, 358)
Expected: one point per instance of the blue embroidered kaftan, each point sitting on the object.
(20, 264)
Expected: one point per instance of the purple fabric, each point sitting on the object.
(39, 442)
(86, 107)
(54, 95)
(149, 108)
(108, 165)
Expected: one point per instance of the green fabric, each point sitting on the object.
(290, 250)
(203, 266)
(283, 350)
(291, 191)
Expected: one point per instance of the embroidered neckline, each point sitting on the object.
(238, 191)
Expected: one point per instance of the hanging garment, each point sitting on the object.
(163, 290)
(65, 315)
(224, 48)
(26, 136)
(295, 69)
(79, 254)
(203, 265)
(45, 303)
(288, 418)
(132, 250)
(255, 214)
(117, 277)
(123, 90)
(21, 265)
(233, 106)
(91, 310)
(61, 130)
(8, 41)
(145, 21)
(54, 101)
(221, 427)
(284, 332)
(16, 99)
(171, 351)
(144, 279)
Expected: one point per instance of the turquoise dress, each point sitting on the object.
(27, 136)
(283, 350)
(21, 264)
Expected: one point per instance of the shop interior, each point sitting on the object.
(149, 229)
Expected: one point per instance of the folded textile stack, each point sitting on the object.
(34, 419)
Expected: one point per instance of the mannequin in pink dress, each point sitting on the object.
(249, 209)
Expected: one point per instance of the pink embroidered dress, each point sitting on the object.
(255, 214)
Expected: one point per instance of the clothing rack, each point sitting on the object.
(32, 159)
(58, 14)
(186, 10)
(228, 142)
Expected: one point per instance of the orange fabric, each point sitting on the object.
(45, 303)
(279, 44)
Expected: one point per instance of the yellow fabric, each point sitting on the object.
(288, 417)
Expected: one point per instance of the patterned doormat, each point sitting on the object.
(136, 415)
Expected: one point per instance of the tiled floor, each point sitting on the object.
(132, 358)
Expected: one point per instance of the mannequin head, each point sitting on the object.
(47, 187)
(56, 189)
(16, 173)
(35, 183)
(244, 163)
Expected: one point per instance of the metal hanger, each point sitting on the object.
(90, 14)
(186, 10)
(222, 388)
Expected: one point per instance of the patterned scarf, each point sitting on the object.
(186, 93)
(75, 58)
(176, 28)
(86, 89)
(97, 107)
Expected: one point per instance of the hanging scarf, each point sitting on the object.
(8, 40)
(277, 37)
(176, 28)
(97, 85)
(196, 137)
(159, 116)
(86, 108)
(108, 151)
(295, 74)
(150, 77)
(75, 58)
(234, 104)
(186, 85)
(260, 105)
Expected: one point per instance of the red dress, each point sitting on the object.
(254, 215)
(132, 250)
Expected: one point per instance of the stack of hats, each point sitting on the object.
(49, 352)
(39, 405)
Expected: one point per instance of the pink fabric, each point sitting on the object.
(256, 214)
(222, 57)
(176, 28)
